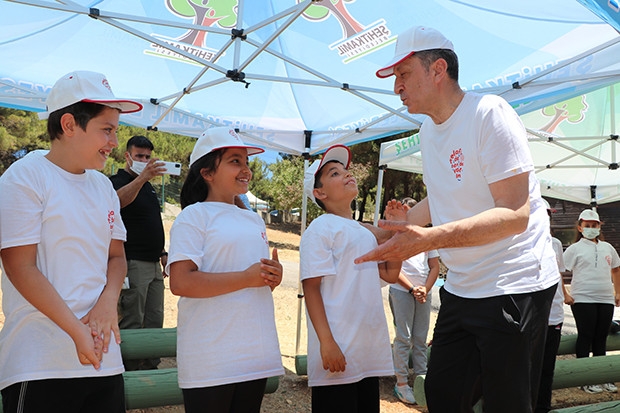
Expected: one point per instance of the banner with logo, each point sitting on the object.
(295, 75)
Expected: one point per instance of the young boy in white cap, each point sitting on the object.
(348, 341)
(61, 244)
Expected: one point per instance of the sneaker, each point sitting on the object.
(592, 388)
(405, 394)
(610, 387)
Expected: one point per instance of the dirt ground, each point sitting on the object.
(292, 394)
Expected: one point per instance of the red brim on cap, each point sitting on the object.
(388, 70)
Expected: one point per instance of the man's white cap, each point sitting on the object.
(589, 215)
(338, 153)
(216, 138)
(84, 86)
(415, 39)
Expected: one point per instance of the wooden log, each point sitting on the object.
(588, 370)
(152, 388)
(146, 343)
(301, 365)
(568, 373)
(606, 407)
(567, 343)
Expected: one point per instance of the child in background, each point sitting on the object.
(348, 340)
(595, 289)
(227, 344)
(410, 302)
(554, 330)
(63, 259)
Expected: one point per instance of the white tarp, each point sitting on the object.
(284, 70)
(574, 146)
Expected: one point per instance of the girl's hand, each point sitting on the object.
(102, 320)
(89, 348)
(333, 359)
(568, 299)
(395, 211)
(419, 293)
(271, 270)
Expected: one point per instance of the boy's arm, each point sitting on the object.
(20, 268)
(103, 317)
(389, 271)
(331, 355)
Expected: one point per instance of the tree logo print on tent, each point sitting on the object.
(204, 13)
(357, 40)
(571, 110)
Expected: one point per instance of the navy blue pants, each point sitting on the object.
(360, 397)
(488, 347)
(244, 397)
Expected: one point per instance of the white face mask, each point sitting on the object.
(137, 167)
(591, 233)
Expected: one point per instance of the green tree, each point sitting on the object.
(259, 185)
(20, 133)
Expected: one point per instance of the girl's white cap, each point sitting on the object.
(216, 138)
(84, 86)
(589, 215)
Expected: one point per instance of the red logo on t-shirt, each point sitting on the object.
(456, 163)
(111, 220)
(264, 236)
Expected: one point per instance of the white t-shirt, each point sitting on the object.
(352, 297)
(72, 220)
(229, 338)
(556, 316)
(416, 269)
(591, 264)
(484, 142)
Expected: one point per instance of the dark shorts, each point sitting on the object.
(73, 395)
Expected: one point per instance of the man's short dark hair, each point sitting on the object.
(427, 57)
(139, 141)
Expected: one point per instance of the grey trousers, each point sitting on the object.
(411, 324)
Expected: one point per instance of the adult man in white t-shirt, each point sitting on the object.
(490, 227)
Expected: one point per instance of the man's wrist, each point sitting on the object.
(410, 290)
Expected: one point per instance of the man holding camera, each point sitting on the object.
(142, 301)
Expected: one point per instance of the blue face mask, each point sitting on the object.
(591, 233)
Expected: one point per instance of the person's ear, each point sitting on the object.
(319, 193)
(206, 174)
(128, 157)
(68, 124)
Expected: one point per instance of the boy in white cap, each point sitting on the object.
(348, 341)
(489, 226)
(63, 259)
(594, 289)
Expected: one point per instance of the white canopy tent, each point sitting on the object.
(257, 203)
